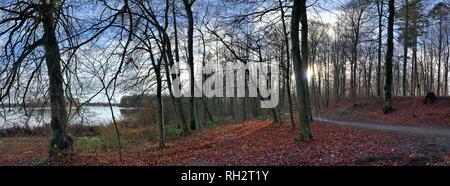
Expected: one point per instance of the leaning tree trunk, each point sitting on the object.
(387, 106)
(176, 101)
(60, 142)
(299, 10)
(168, 57)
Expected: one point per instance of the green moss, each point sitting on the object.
(86, 144)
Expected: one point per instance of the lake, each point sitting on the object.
(88, 115)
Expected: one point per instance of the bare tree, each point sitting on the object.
(190, 59)
(440, 13)
(23, 22)
(356, 18)
(288, 63)
(380, 8)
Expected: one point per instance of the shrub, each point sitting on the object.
(88, 144)
(21, 131)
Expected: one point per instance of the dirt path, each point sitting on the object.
(428, 131)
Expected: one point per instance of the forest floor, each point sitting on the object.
(256, 142)
(348, 132)
(408, 111)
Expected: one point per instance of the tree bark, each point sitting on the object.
(298, 11)
(168, 53)
(380, 4)
(438, 92)
(387, 106)
(160, 107)
(61, 140)
(288, 65)
(157, 69)
(190, 60)
(405, 47)
(446, 66)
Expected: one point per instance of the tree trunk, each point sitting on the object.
(353, 66)
(446, 67)
(288, 65)
(414, 79)
(160, 107)
(431, 68)
(405, 48)
(157, 69)
(207, 114)
(380, 4)
(387, 106)
(438, 92)
(168, 51)
(190, 61)
(61, 141)
(176, 101)
(299, 11)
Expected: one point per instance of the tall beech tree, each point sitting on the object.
(380, 10)
(299, 14)
(387, 104)
(190, 59)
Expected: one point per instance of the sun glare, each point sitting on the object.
(309, 74)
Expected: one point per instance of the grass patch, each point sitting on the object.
(130, 135)
(346, 112)
(87, 144)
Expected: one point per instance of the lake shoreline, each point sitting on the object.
(86, 115)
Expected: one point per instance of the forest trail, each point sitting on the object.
(428, 131)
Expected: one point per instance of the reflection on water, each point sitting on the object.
(88, 115)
